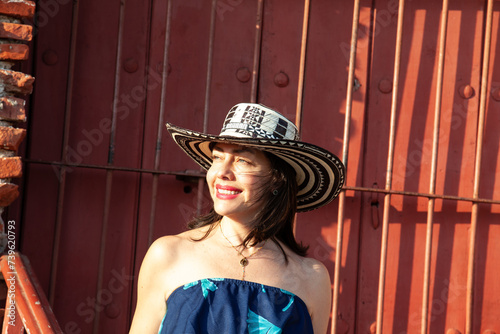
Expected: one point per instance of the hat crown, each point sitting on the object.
(251, 120)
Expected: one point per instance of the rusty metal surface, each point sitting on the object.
(471, 275)
(433, 169)
(28, 308)
(389, 168)
(345, 159)
(105, 180)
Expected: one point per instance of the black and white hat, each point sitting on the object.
(320, 174)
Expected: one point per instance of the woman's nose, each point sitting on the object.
(225, 171)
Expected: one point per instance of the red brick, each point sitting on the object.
(10, 167)
(14, 51)
(12, 109)
(21, 32)
(16, 82)
(18, 8)
(8, 193)
(11, 138)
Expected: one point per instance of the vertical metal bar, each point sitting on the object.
(159, 131)
(432, 182)
(345, 155)
(477, 167)
(111, 160)
(302, 65)
(300, 86)
(210, 56)
(390, 163)
(102, 246)
(256, 52)
(152, 214)
(64, 157)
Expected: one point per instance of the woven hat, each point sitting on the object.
(320, 174)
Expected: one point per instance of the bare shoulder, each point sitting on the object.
(308, 271)
(317, 289)
(167, 258)
(164, 246)
(315, 270)
(159, 260)
(151, 288)
(161, 254)
(165, 250)
(157, 278)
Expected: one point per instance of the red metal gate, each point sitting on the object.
(411, 103)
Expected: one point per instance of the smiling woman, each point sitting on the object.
(236, 180)
(239, 269)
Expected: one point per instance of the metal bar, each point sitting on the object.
(102, 246)
(24, 315)
(32, 308)
(152, 214)
(302, 65)
(477, 167)
(190, 173)
(390, 163)
(198, 174)
(111, 160)
(338, 261)
(256, 52)
(432, 181)
(345, 155)
(210, 56)
(12, 322)
(415, 194)
(62, 174)
(154, 188)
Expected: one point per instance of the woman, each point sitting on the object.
(239, 269)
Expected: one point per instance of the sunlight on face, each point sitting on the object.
(237, 178)
(243, 160)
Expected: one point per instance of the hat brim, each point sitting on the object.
(320, 174)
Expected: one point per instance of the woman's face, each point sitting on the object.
(237, 179)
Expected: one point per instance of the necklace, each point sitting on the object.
(244, 260)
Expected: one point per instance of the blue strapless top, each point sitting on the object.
(229, 306)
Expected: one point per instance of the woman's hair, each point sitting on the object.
(275, 220)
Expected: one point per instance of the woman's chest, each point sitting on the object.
(268, 268)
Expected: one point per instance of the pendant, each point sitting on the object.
(244, 262)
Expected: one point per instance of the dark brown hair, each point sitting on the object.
(275, 221)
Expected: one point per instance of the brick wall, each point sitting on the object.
(16, 32)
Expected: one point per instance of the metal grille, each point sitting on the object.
(431, 195)
(111, 168)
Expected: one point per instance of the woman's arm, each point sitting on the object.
(151, 304)
(322, 299)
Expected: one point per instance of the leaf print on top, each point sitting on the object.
(291, 299)
(260, 325)
(206, 285)
(236, 307)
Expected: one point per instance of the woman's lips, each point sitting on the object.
(226, 192)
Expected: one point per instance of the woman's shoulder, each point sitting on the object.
(167, 257)
(315, 268)
(308, 269)
(311, 273)
(171, 246)
(314, 289)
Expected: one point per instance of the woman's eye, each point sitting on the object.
(215, 157)
(243, 161)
